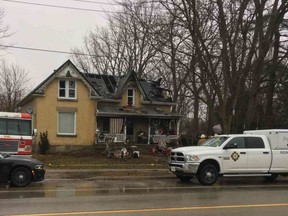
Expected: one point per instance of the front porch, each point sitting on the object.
(141, 130)
(119, 138)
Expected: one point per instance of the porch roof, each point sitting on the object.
(108, 111)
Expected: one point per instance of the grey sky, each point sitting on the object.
(48, 28)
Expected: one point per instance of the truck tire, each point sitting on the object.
(21, 177)
(271, 178)
(184, 178)
(208, 174)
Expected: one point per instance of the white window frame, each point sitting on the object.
(133, 96)
(67, 88)
(58, 124)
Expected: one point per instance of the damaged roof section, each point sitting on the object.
(104, 84)
(111, 87)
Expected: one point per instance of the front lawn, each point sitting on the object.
(100, 161)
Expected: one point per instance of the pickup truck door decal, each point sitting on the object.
(235, 156)
(233, 161)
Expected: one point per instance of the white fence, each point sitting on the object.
(114, 137)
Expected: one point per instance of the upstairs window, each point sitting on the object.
(130, 97)
(67, 89)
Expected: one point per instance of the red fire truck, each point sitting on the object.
(16, 133)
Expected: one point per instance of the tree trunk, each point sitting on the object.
(196, 114)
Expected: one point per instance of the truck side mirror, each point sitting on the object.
(230, 146)
(34, 133)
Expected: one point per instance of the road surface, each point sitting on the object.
(141, 197)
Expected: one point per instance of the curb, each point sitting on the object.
(105, 174)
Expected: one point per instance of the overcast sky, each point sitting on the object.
(49, 28)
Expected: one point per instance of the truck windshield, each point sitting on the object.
(215, 141)
(20, 127)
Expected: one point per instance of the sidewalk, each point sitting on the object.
(107, 174)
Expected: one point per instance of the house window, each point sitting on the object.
(66, 123)
(130, 96)
(67, 89)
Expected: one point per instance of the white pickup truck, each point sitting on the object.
(253, 153)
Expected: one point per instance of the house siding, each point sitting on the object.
(45, 113)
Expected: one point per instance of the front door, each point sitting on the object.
(235, 160)
(130, 129)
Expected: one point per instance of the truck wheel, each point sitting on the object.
(271, 178)
(184, 178)
(208, 174)
(21, 177)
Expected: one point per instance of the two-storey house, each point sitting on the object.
(80, 109)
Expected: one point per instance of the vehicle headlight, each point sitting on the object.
(192, 158)
(38, 167)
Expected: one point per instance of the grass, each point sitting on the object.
(100, 161)
(93, 164)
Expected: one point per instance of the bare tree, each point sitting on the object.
(211, 53)
(13, 85)
(123, 45)
(4, 29)
(232, 46)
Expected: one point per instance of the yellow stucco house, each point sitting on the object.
(81, 109)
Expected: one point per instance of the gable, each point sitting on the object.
(66, 70)
(131, 77)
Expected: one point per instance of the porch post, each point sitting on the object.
(178, 127)
(125, 129)
(149, 131)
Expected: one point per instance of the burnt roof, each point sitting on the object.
(111, 87)
(105, 85)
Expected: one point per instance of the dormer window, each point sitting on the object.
(67, 89)
(130, 97)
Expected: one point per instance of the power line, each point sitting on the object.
(105, 3)
(62, 7)
(46, 50)
(96, 2)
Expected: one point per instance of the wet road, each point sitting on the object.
(230, 196)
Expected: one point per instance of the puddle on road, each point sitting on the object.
(70, 189)
(79, 188)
